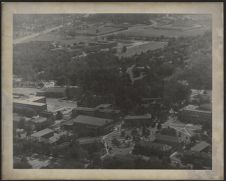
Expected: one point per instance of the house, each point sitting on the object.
(175, 159)
(89, 125)
(201, 147)
(54, 139)
(200, 96)
(193, 114)
(43, 135)
(184, 132)
(21, 133)
(137, 120)
(40, 123)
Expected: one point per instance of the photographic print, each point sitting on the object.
(112, 91)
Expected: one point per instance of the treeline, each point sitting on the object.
(167, 71)
(120, 18)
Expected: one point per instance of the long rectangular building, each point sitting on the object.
(193, 114)
(89, 125)
(19, 105)
(137, 120)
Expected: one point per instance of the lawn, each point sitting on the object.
(138, 48)
(146, 31)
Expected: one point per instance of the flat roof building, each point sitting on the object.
(166, 139)
(92, 125)
(137, 120)
(43, 135)
(85, 111)
(195, 114)
(19, 105)
(88, 140)
(201, 146)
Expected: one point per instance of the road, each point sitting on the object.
(26, 38)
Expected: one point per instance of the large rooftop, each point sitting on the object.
(90, 120)
(54, 89)
(146, 116)
(195, 108)
(84, 109)
(200, 146)
(27, 102)
(39, 119)
(42, 132)
(88, 140)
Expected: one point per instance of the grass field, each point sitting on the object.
(139, 47)
(152, 32)
(94, 31)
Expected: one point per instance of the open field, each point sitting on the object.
(147, 31)
(94, 31)
(139, 47)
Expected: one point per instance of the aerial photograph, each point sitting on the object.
(112, 91)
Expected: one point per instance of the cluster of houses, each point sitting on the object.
(91, 123)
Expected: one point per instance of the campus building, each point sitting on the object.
(193, 114)
(43, 135)
(21, 106)
(137, 121)
(89, 125)
(85, 111)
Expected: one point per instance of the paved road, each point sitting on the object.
(26, 38)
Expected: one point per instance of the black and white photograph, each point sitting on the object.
(112, 91)
(119, 91)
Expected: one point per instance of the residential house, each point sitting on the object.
(43, 135)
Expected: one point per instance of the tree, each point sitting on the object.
(123, 133)
(175, 92)
(115, 142)
(30, 112)
(73, 113)
(21, 123)
(168, 131)
(134, 132)
(153, 125)
(124, 49)
(159, 126)
(23, 163)
(145, 132)
(119, 162)
(59, 115)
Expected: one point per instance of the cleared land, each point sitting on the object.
(94, 31)
(139, 47)
(148, 31)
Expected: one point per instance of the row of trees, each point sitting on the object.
(134, 162)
